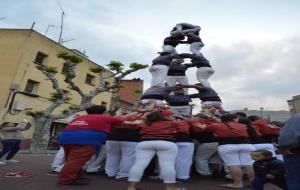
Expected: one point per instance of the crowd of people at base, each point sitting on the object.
(212, 141)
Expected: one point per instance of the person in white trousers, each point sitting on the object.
(184, 159)
(120, 158)
(206, 143)
(96, 163)
(192, 33)
(176, 73)
(170, 43)
(204, 153)
(121, 146)
(156, 125)
(204, 69)
(58, 161)
(256, 137)
(159, 68)
(234, 148)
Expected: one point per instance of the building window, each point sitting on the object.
(31, 86)
(106, 84)
(89, 79)
(39, 59)
(65, 68)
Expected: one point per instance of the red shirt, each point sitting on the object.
(183, 127)
(263, 127)
(194, 122)
(95, 122)
(159, 129)
(128, 118)
(235, 130)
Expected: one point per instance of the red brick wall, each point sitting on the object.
(129, 90)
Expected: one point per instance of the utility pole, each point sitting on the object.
(61, 27)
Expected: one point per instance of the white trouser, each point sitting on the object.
(159, 74)
(184, 159)
(169, 48)
(195, 47)
(59, 160)
(171, 81)
(236, 154)
(96, 163)
(166, 152)
(203, 74)
(265, 146)
(204, 153)
(182, 110)
(120, 158)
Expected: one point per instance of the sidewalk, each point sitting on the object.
(39, 165)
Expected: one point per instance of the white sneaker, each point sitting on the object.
(2, 163)
(11, 161)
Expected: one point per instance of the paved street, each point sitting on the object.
(39, 165)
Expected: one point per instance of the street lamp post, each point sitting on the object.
(261, 112)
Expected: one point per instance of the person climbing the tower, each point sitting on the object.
(192, 33)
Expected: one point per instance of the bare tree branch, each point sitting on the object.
(70, 75)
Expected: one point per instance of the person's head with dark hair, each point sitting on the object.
(96, 109)
(228, 118)
(258, 155)
(253, 117)
(241, 114)
(250, 129)
(245, 121)
(153, 117)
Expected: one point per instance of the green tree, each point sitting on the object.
(45, 118)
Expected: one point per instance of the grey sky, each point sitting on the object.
(254, 45)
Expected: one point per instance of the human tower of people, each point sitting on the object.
(162, 128)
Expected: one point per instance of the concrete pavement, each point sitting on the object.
(39, 165)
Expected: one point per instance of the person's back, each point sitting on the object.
(159, 130)
(232, 129)
(82, 138)
(163, 59)
(92, 122)
(157, 137)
